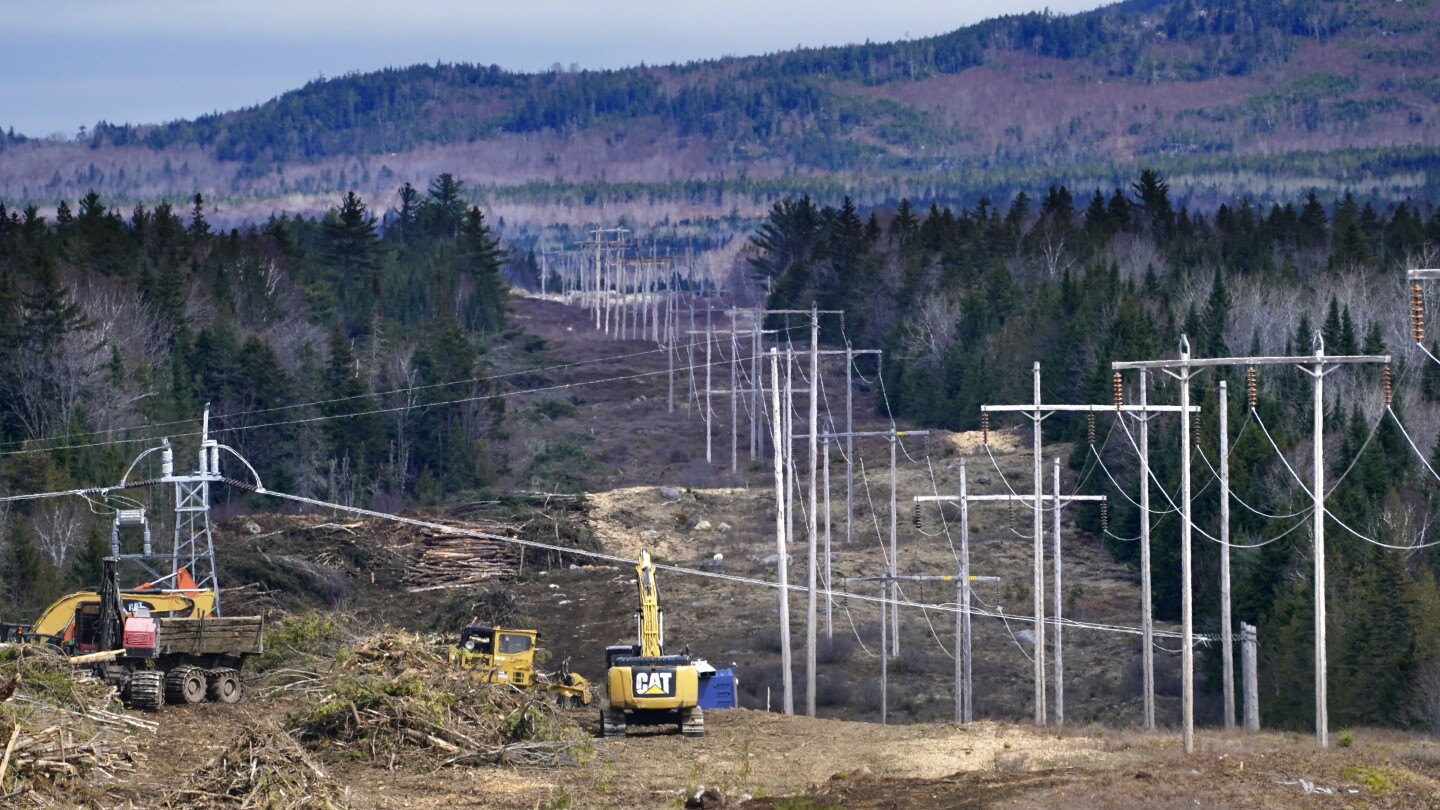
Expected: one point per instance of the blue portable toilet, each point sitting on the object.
(717, 687)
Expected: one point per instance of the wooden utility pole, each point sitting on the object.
(1143, 412)
(781, 566)
(965, 500)
(734, 392)
(709, 341)
(1249, 683)
(829, 600)
(1147, 607)
(894, 437)
(734, 399)
(811, 517)
(1227, 650)
(894, 555)
(1059, 625)
(965, 697)
(670, 349)
(1317, 366)
(884, 659)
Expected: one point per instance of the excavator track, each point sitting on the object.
(225, 686)
(612, 722)
(692, 722)
(147, 690)
(184, 684)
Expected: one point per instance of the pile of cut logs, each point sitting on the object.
(443, 560)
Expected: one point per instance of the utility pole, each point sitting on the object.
(1248, 682)
(1317, 366)
(829, 600)
(965, 702)
(1059, 625)
(1037, 411)
(1227, 650)
(811, 516)
(781, 567)
(893, 561)
(670, 349)
(734, 392)
(734, 399)
(709, 341)
(894, 555)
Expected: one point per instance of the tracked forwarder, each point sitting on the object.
(156, 657)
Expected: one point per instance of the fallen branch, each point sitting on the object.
(9, 747)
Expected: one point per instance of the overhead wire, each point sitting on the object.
(316, 403)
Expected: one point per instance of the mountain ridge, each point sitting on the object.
(1189, 88)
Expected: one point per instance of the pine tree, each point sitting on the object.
(350, 249)
(446, 435)
(1217, 318)
(480, 260)
(354, 430)
(1330, 331)
(445, 208)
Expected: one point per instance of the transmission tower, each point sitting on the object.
(193, 546)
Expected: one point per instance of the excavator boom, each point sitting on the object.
(651, 633)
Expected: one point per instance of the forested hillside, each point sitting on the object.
(112, 321)
(963, 300)
(1262, 97)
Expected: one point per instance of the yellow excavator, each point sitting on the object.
(69, 621)
(646, 686)
(502, 655)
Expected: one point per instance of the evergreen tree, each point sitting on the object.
(1217, 318)
(87, 568)
(445, 207)
(354, 430)
(350, 249)
(446, 434)
(480, 260)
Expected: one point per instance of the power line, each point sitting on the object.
(322, 418)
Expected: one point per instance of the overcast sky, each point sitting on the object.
(71, 63)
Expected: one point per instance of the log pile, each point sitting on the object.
(443, 560)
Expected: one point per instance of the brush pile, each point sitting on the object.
(263, 767)
(394, 695)
(59, 731)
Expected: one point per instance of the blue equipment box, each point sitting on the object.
(717, 689)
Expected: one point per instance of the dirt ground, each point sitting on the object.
(764, 760)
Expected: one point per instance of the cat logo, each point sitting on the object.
(655, 683)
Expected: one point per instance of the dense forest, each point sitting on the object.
(116, 329)
(963, 302)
